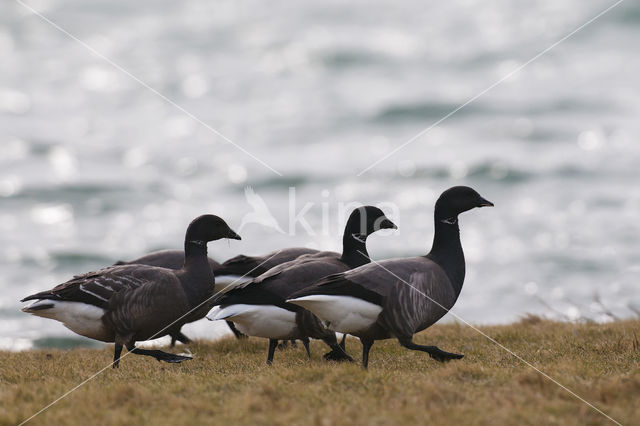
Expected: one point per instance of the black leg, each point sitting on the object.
(343, 342)
(233, 328)
(116, 355)
(433, 351)
(184, 339)
(293, 343)
(272, 349)
(305, 342)
(157, 354)
(283, 345)
(366, 347)
(179, 337)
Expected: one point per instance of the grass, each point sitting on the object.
(228, 381)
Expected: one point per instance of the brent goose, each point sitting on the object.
(129, 303)
(238, 268)
(399, 297)
(259, 307)
(174, 259)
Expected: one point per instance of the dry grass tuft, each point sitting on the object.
(228, 382)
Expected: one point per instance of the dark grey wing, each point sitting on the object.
(301, 261)
(238, 288)
(417, 292)
(172, 259)
(239, 265)
(96, 288)
(280, 256)
(254, 266)
(301, 273)
(339, 284)
(150, 310)
(275, 286)
(417, 301)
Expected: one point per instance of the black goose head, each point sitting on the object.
(209, 227)
(364, 221)
(457, 200)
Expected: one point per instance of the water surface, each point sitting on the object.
(94, 167)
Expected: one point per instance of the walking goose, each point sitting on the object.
(174, 259)
(129, 303)
(397, 298)
(259, 308)
(242, 268)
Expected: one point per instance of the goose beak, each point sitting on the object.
(387, 224)
(232, 235)
(485, 203)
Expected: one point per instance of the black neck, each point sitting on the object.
(447, 251)
(354, 250)
(194, 250)
(196, 263)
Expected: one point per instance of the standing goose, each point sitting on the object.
(243, 268)
(259, 307)
(399, 297)
(174, 259)
(129, 303)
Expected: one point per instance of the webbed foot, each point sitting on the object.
(442, 356)
(337, 354)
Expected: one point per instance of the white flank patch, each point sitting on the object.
(225, 281)
(81, 318)
(258, 320)
(344, 314)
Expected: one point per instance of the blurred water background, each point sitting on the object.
(94, 167)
